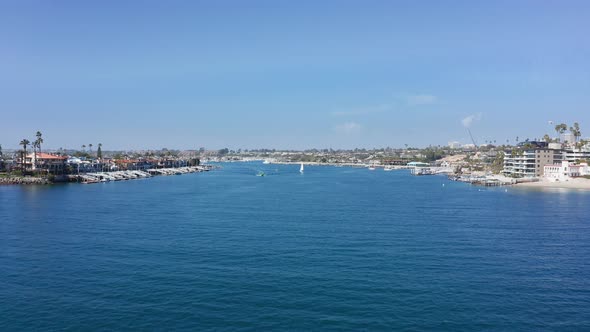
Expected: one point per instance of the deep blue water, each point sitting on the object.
(332, 249)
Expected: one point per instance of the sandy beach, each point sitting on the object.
(577, 183)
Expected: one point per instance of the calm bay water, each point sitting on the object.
(332, 249)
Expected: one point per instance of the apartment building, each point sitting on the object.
(530, 162)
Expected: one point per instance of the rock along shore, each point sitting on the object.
(23, 180)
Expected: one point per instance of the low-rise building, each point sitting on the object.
(565, 171)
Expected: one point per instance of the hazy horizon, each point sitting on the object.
(339, 74)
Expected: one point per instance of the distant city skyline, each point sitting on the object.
(290, 75)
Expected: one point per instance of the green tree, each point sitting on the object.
(37, 145)
(546, 138)
(99, 151)
(39, 140)
(25, 142)
(561, 128)
(575, 130)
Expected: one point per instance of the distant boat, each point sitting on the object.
(388, 168)
(371, 168)
(301, 168)
(266, 162)
(260, 174)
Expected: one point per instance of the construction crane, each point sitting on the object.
(472, 140)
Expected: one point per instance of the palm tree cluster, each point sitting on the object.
(561, 128)
(36, 145)
(574, 130)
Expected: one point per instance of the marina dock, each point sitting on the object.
(98, 177)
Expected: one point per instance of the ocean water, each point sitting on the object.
(331, 249)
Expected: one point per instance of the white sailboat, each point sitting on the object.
(301, 168)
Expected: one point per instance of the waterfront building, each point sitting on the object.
(565, 171)
(529, 163)
(46, 162)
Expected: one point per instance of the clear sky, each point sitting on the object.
(290, 74)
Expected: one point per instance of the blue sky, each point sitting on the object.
(290, 74)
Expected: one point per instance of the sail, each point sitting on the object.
(301, 169)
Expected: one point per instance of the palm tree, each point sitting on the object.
(575, 130)
(90, 147)
(99, 151)
(561, 128)
(25, 142)
(84, 147)
(39, 140)
(34, 146)
(546, 138)
(37, 145)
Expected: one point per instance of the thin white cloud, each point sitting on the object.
(348, 128)
(363, 110)
(469, 120)
(415, 100)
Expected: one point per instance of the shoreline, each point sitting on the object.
(575, 183)
(88, 178)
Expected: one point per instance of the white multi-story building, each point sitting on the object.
(575, 155)
(565, 171)
(529, 163)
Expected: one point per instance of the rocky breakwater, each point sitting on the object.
(23, 180)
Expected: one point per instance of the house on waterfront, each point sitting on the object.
(565, 171)
(47, 162)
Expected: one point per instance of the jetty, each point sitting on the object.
(23, 180)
